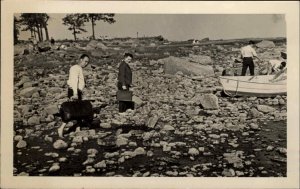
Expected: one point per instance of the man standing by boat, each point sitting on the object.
(247, 53)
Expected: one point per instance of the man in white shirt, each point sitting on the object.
(75, 84)
(247, 54)
(76, 79)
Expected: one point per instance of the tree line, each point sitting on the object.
(36, 23)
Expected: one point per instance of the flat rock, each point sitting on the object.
(34, 120)
(55, 167)
(228, 173)
(254, 126)
(105, 125)
(62, 159)
(28, 92)
(168, 128)
(92, 151)
(265, 108)
(232, 158)
(152, 121)
(78, 139)
(281, 150)
(51, 109)
(255, 113)
(121, 141)
(23, 80)
(89, 160)
(89, 169)
(18, 138)
(137, 100)
(209, 102)
(200, 59)
(60, 144)
(100, 164)
(193, 152)
(21, 144)
(139, 151)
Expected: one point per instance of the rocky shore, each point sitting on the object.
(182, 125)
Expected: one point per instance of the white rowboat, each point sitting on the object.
(259, 86)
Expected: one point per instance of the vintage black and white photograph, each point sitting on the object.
(109, 94)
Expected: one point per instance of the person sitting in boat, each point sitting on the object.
(247, 54)
(279, 76)
(274, 66)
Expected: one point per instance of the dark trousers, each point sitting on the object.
(248, 62)
(125, 105)
(70, 93)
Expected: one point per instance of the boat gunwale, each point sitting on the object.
(237, 80)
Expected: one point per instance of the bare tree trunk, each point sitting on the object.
(39, 33)
(93, 22)
(74, 32)
(46, 32)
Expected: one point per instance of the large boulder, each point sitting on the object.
(265, 44)
(28, 92)
(200, 59)
(20, 48)
(172, 65)
(93, 44)
(204, 39)
(97, 53)
(209, 101)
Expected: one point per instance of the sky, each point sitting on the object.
(177, 27)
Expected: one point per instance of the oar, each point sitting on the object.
(252, 78)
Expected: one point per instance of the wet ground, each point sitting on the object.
(257, 161)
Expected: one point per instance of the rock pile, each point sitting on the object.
(180, 119)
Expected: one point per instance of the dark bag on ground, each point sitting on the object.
(124, 95)
(76, 110)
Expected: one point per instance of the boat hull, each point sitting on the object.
(259, 86)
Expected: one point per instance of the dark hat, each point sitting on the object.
(128, 54)
(251, 42)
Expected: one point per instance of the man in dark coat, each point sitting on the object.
(125, 80)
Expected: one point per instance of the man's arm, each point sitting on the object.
(122, 72)
(73, 80)
(81, 83)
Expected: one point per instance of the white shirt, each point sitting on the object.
(76, 79)
(275, 64)
(248, 51)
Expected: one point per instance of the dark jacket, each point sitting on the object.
(125, 74)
